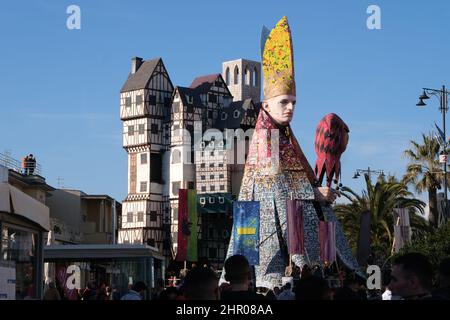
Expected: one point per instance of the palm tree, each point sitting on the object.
(424, 172)
(380, 200)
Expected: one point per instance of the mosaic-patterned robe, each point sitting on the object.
(272, 185)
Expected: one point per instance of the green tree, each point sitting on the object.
(436, 245)
(379, 199)
(424, 172)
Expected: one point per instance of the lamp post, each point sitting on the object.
(442, 95)
(367, 171)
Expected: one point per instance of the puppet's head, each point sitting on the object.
(279, 77)
(331, 141)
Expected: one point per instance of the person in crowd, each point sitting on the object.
(270, 295)
(238, 274)
(137, 293)
(171, 293)
(412, 277)
(159, 289)
(201, 284)
(287, 293)
(101, 292)
(349, 291)
(276, 291)
(313, 288)
(52, 293)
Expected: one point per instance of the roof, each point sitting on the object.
(15, 201)
(99, 251)
(141, 77)
(204, 83)
(232, 122)
(184, 92)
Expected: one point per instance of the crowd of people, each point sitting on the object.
(411, 277)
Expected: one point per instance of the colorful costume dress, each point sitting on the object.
(277, 170)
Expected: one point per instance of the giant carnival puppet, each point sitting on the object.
(277, 171)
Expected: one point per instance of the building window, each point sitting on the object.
(130, 130)
(221, 200)
(255, 77)
(222, 187)
(223, 116)
(212, 188)
(236, 114)
(190, 108)
(203, 188)
(211, 177)
(176, 156)
(227, 76)
(143, 158)
(140, 217)
(154, 128)
(176, 187)
(210, 114)
(221, 176)
(141, 128)
(211, 165)
(202, 200)
(139, 99)
(203, 177)
(130, 217)
(176, 107)
(236, 75)
(153, 216)
(191, 185)
(202, 165)
(152, 100)
(220, 165)
(247, 76)
(128, 102)
(155, 167)
(212, 152)
(143, 186)
(212, 98)
(212, 200)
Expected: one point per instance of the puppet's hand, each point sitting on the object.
(325, 194)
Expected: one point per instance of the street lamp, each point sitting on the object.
(442, 95)
(367, 171)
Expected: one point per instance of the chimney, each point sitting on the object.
(135, 64)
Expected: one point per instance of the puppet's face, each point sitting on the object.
(281, 108)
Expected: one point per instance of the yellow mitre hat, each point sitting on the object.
(278, 61)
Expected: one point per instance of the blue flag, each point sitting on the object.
(246, 230)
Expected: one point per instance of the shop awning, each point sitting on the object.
(14, 201)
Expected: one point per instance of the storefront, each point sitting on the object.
(23, 221)
(77, 267)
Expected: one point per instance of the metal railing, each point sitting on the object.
(16, 165)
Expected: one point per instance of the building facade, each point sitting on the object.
(175, 138)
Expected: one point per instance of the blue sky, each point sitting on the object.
(60, 88)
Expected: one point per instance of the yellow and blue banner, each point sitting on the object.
(246, 230)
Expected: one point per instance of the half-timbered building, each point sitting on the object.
(160, 126)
